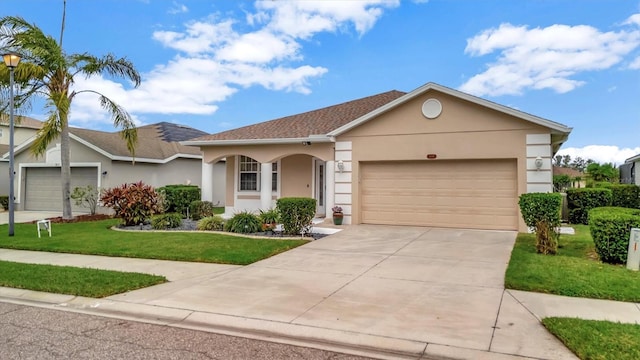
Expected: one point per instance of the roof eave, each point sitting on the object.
(633, 159)
(310, 139)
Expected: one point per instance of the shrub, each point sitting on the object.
(296, 214)
(243, 223)
(610, 229)
(177, 198)
(4, 202)
(166, 221)
(625, 195)
(199, 209)
(134, 203)
(561, 182)
(541, 211)
(211, 223)
(86, 196)
(580, 201)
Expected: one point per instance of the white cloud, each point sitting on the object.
(214, 60)
(601, 153)
(178, 8)
(545, 58)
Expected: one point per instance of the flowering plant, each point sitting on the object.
(336, 209)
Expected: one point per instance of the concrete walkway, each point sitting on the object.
(384, 292)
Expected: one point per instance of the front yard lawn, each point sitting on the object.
(597, 340)
(574, 271)
(96, 238)
(73, 280)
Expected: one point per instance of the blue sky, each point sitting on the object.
(216, 65)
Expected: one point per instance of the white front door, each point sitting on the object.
(320, 187)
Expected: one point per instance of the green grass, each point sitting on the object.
(597, 340)
(218, 210)
(72, 280)
(95, 238)
(574, 271)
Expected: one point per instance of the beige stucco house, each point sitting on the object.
(24, 129)
(101, 159)
(431, 157)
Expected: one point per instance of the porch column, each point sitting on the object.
(330, 186)
(207, 181)
(265, 186)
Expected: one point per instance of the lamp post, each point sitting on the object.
(11, 60)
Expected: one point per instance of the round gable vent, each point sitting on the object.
(431, 108)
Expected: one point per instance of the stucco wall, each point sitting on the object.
(296, 176)
(178, 171)
(462, 131)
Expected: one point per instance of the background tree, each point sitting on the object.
(47, 71)
(605, 172)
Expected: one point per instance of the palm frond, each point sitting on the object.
(50, 131)
(121, 120)
(91, 65)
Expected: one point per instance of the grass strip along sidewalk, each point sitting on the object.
(574, 271)
(96, 238)
(73, 280)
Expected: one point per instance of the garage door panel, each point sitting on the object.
(474, 194)
(43, 186)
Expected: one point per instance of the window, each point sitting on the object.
(249, 170)
(248, 174)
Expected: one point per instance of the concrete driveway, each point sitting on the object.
(28, 216)
(392, 288)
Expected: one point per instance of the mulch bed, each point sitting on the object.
(77, 218)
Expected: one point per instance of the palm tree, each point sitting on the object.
(46, 71)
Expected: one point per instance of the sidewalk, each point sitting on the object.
(517, 333)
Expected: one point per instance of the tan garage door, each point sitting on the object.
(476, 194)
(43, 187)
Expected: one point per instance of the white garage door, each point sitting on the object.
(475, 194)
(43, 187)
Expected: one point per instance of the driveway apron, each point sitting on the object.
(438, 286)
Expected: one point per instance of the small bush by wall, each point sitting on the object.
(134, 203)
(199, 209)
(177, 198)
(4, 202)
(580, 201)
(296, 214)
(211, 223)
(243, 223)
(166, 221)
(541, 211)
(625, 195)
(610, 229)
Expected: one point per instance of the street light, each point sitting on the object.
(11, 60)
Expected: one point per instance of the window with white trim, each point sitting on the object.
(249, 174)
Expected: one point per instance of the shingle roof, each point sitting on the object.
(316, 122)
(22, 121)
(151, 141)
(558, 170)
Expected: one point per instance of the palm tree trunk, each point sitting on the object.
(65, 171)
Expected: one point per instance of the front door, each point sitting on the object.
(320, 187)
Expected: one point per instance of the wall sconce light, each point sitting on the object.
(340, 165)
(306, 143)
(104, 173)
(538, 163)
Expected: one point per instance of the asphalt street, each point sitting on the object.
(36, 333)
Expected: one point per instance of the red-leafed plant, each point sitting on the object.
(134, 203)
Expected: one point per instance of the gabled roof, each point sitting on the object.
(327, 123)
(151, 147)
(633, 159)
(559, 170)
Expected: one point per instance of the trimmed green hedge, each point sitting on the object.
(542, 211)
(610, 229)
(580, 201)
(625, 195)
(296, 214)
(177, 198)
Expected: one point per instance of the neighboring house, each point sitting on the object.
(431, 157)
(628, 171)
(24, 129)
(578, 178)
(101, 159)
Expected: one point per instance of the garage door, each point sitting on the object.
(43, 187)
(478, 194)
